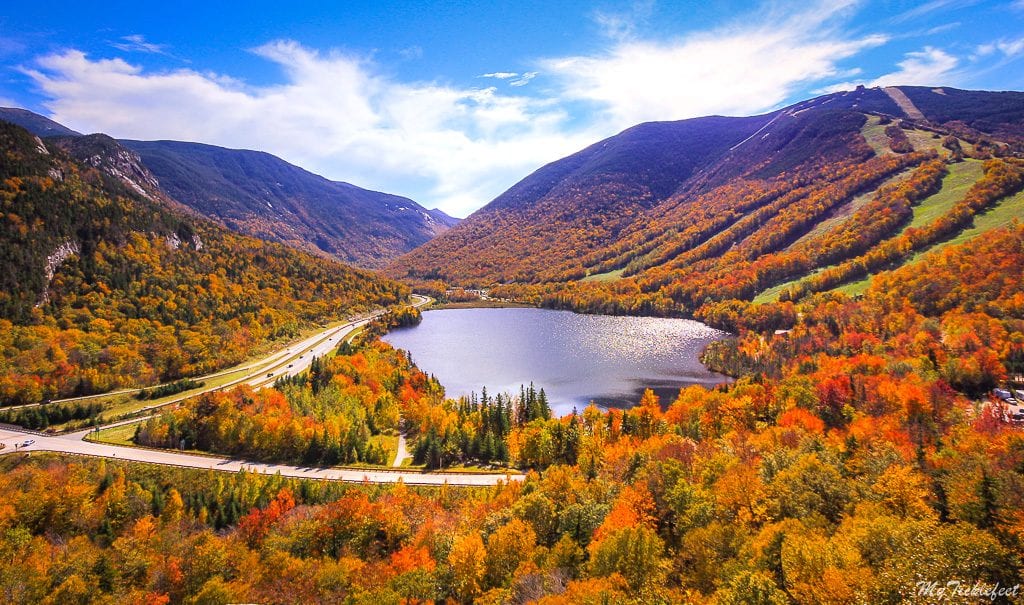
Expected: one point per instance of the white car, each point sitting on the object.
(28, 443)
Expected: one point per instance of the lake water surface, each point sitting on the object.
(575, 358)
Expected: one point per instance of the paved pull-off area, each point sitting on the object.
(14, 440)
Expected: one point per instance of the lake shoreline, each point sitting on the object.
(577, 358)
(481, 304)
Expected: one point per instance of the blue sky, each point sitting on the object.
(450, 103)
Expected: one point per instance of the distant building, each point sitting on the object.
(1003, 395)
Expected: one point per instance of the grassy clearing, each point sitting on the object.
(117, 435)
(772, 294)
(840, 214)
(1000, 215)
(955, 185)
(1003, 213)
(124, 434)
(607, 276)
(922, 140)
(221, 376)
(855, 288)
(874, 134)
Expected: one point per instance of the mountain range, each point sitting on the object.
(666, 217)
(258, 194)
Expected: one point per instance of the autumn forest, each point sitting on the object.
(865, 263)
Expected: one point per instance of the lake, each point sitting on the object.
(575, 358)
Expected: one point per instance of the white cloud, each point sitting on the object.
(138, 43)
(523, 79)
(736, 70)
(513, 78)
(927, 67)
(500, 75)
(334, 114)
(1010, 48)
(931, 7)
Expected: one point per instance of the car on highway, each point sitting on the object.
(28, 442)
(270, 374)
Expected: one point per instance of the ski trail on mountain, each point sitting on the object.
(901, 99)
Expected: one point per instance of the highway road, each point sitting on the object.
(72, 443)
(291, 360)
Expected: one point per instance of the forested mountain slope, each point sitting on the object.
(105, 286)
(262, 195)
(258, 194)
(666, 217)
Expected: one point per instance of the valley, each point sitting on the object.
(775, 359)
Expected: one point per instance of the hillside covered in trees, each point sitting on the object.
(852, 461)
(258, 194)
(106, 285)
(669, 216)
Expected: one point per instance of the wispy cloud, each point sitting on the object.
(929, 66)
(411, 53)
(1008, 48)
(738, 69)
(624, 25)
(941, 29)
(138, 43)
(500, 75)
(926, 67)
(928, 8)
(9, 46)
(512, 77)
(523, 79)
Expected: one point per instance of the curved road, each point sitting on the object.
(284, 362)
(72, 443)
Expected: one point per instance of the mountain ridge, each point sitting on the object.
(257, 193)
(761, 183)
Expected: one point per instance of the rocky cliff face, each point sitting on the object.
(114, 159)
